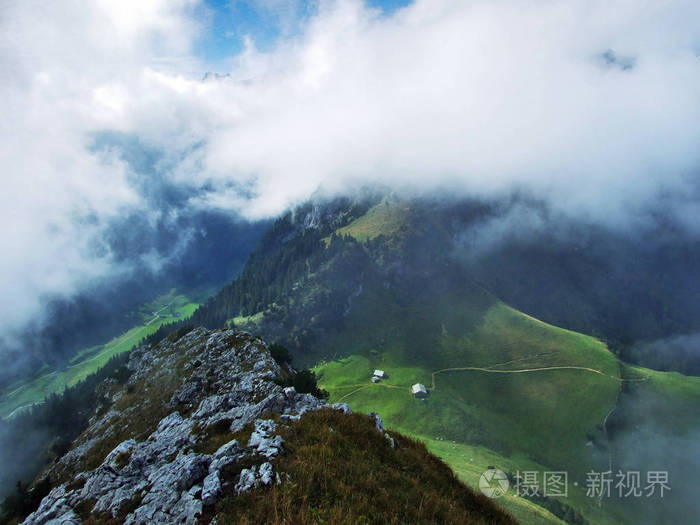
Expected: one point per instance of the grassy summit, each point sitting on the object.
(342, 471)
(381, 219)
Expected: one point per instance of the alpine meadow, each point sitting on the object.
(350, 262)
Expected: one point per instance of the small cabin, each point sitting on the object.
(419, 390)
(375, 379)
(381, 374)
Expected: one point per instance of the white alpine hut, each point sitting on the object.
(419, 390)
(381, 374)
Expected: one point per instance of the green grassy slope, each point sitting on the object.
(469, 462)
(510, 391)
(505, 389)
(86, 361)
(528, 392)
(540, 389)
(381, 219)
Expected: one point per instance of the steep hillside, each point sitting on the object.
(150, 316)
(386, 286)
(532, 394)
(291, 249)
(630, 291)
(195, 254)
(201, 431)
(512, 383)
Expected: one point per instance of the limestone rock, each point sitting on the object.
(379, 424)
(203, 379)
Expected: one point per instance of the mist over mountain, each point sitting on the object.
(629, 288)
(590, 106)
(495, 201)
(348, 280)
(198, 253)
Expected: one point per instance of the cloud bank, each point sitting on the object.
(591, 105)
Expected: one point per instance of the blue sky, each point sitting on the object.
(228, 22)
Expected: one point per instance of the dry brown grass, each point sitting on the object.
(342, 471)
(145, 408)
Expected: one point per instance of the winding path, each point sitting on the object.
(492, 370)
(525, 370)
(28, 405)
(363, 386)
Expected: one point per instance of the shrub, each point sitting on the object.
(280, 354)
(180, 332)
(304, 382)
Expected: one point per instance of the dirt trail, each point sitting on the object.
(363, 386)
(525, 370)
(492, 370)
(28, 405)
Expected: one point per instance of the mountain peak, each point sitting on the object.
(210, 76)
(202, 424)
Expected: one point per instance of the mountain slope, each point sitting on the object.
(382, 286)
(201, 430)
(621, 287)
(513, 392)
(29, 392)
(512, 383)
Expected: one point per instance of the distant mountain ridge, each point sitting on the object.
(351, 285)
(627, 291)
(215, 253)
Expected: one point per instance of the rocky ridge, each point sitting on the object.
(151, 454)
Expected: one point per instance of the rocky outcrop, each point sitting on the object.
(205, 383)
(379, 425)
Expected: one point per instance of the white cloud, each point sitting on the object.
(477, 96)
(483, 96)
(68, 71)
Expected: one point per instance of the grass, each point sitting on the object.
(248, 322)
(538, 412)
(469, 462)
(547, 416)
(340, 470)
(88, 360)
(382, 219)
(670, 385)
